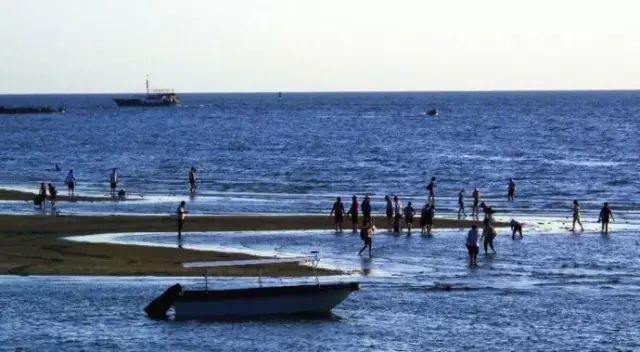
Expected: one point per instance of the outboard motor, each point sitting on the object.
(158, 308)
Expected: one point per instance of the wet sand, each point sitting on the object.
(7, 194)
(34, 245)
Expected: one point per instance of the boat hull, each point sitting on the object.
(124, 102)
(267, 301)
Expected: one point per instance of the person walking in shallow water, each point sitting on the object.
(181, 214)
(516, 227)
(605, 215)
(461, 204)
(488, 235)
(424, 214)
(353, 212)
(472, 245)
(511, 190)
(338, 214)
(576, 216)
(366, 235)
(193, 180)
(431, 188)
(113, 182)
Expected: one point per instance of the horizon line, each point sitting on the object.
(351, 91)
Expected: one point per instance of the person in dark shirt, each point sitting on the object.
(516, 227)
(389, 212)
(431, 188)
(353, 212)
(461, 204)
(605, 215)
(53, 193)
(475, 211)
(338, 213)
(366, 209)
(42, 196)
(409, 212)
(511, 190)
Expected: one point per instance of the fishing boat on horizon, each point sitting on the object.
(293, 299)
(152, 98)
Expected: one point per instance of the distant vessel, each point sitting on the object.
(155, 97)
(432, 112)
(30, 110)
(252, 301)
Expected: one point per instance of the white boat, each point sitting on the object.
(316, 298)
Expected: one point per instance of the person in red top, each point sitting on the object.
(605, 215)
(353, 212)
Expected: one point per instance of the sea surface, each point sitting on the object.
(257, 153)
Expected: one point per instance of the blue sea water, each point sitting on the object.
(259, 153)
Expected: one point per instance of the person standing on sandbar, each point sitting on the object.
(70, 181)
(431, 187)
(181, 212)
(353, 212)
(338, 214)
(366, 209)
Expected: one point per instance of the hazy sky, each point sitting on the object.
(317, 45)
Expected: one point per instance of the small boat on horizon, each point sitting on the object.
(317, 298)
(152, 98)
(432, 112)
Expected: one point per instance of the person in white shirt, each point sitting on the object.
(181, 213)
(472, 245)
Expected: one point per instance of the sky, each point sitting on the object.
(105, 46)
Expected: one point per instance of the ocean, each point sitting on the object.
(257, 153)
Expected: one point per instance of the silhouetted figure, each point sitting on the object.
(488, 235)
(511, 190)
(366, 209)
(193, 180)
(53, 194)
(389, 212)
(475, 212)
(576, 216)
(366, 235)
(461, 204)
(397, 213)
(605, 215)
(472, 245)
(181, 213)
(338, 213)
(409, 212)
(113, 182)
(431, 188)
(42, 196)
(516, 227)
(353, 212)
(70, 181)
